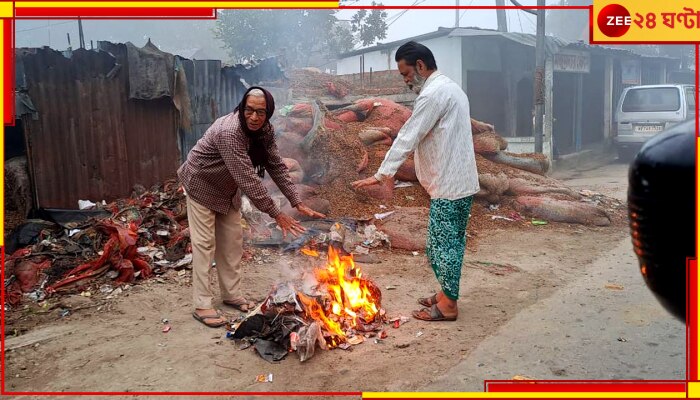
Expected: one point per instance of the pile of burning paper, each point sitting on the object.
(333, 306)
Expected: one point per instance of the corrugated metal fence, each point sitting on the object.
(91, 141)
(213, 92)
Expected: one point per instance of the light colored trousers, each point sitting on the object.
(215, 237)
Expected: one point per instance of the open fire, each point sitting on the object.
(348, 303)
(339, 307)
(309, 252)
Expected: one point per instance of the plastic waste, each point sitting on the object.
(308, 337)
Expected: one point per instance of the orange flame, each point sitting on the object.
(315, 311)
(349, 296)
(309, 252)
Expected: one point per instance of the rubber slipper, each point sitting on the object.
(203, 319)
(432, 314)
(241, 304)
(428, 301)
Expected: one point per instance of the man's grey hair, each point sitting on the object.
(256, 93)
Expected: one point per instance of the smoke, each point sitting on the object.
(187, 38)
(297, 271)
(570, 25)
(286, 269)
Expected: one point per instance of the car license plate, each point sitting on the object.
(648, 128)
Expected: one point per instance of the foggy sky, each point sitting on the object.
(416, 22)
(185, 36)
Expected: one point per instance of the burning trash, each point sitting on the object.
(346, 301)
(334, 306)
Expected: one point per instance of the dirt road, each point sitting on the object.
(118, 345)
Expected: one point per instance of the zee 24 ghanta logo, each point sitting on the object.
(614, 20)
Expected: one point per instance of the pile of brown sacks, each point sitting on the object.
(326, 150)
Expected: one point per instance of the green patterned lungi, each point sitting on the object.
(446, 241)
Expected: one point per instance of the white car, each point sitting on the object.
(644, 111)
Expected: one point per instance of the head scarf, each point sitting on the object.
(256, 145)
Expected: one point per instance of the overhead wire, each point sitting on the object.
(402, 13)
(43, 27)
(527, 18)
(508, 19)
(520, 21)
(465, 11)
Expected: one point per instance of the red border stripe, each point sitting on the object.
(131, 12)
(535, 386)
(9, 78)
(181, 393)
(691, 321)
(590, 24)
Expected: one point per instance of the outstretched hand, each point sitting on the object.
(309, 212)
(364, 182)
(289, 224)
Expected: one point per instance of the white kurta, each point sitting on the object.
(440, 133)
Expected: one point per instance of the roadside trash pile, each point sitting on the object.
(142, 236)
(125, 240)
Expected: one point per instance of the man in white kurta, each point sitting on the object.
(439, 133)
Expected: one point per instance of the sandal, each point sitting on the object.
(240, 304)
(205, 318)
(428, 301)
(432, 314)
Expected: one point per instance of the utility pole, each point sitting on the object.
(501, 16)
(538, 97)
(457, 14)
(539, 78)
(80, 34)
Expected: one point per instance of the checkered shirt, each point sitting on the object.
(219, 165)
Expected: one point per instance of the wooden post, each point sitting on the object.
(578, 119)
(540, 87)
(608, 106)
(548, 120)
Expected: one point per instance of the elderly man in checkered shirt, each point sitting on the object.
(231, 158)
